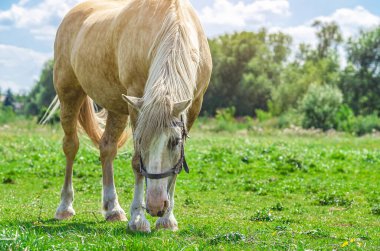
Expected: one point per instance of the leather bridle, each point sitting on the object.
(177, 167)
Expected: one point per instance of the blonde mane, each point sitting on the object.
(172, 75)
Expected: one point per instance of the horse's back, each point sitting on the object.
(106, 45)
(84, 49)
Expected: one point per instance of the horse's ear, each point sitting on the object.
(136, 103)
(180, 107)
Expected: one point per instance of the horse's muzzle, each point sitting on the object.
(157, 209)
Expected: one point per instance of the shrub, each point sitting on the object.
(225, 120)
(366, 124)
(262, 115)
(320, 106)
(290, 118)
(345, 119)
(7, 115)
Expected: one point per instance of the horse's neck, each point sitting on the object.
(174, 59)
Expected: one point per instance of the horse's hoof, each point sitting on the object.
(167, 223)
(139, 225)
(117, 215)
(64, 214)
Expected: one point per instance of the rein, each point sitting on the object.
(177, 167)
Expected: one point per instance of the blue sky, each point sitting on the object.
(27, 27)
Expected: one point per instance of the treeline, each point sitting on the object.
(334, 85)
(33, 104)
(262, 75)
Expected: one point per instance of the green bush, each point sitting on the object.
(320, 106)
(366, 124)
(262, 115)
(345, 119)
(7, 115)
(225, 120)
(290, 118)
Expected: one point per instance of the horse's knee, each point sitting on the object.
(136, 163)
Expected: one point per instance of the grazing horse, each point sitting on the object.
(148, 60)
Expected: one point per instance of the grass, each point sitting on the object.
(245, 191)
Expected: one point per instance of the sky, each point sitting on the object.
(28, 27)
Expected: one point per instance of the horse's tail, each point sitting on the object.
(53, 107)
(90, 121)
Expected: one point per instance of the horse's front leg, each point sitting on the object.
(108, 149)
(138, 222)
(168, 221)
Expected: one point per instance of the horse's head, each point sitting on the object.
(159, 138)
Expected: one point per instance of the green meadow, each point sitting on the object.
(247, 190)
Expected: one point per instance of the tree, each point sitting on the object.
(361, 78)
(247, 66)
(43, 92)
(320, 106)
(329, 37)
(318, 66)
(9, 99)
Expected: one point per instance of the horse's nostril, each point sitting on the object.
(166, 204)
(160, 213)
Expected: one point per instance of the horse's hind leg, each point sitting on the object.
(115, 126)
(71, 99)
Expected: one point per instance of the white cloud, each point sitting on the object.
(46, 32)
(350, 22)
(20, 67)
(224, 15)
(37, 17)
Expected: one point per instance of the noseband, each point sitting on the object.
(177, 167)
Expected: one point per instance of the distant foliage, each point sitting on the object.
(361, 78)
(345, 119)
(7, 115)
(257, 75)
(320, 106)
(42, 93)
(262, 116)
(9, 100)
(225, 121)
(247, 66)
(366, 124)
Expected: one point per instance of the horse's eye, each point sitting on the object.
(173, 142)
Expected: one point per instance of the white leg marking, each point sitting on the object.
(168, 221)
(111, 207)
(65, 209)
(138, 221)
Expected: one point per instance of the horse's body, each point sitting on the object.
(155, 51)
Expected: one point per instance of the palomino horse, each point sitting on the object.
(154, 51)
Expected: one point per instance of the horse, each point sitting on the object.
(143, 60)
